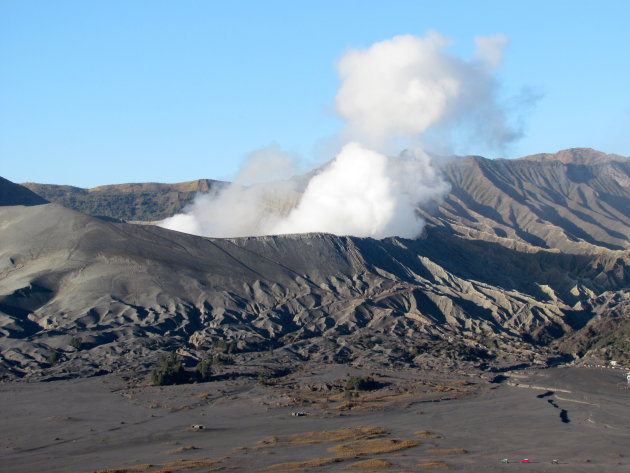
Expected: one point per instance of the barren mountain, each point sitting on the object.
(577, 201)
(522, 262)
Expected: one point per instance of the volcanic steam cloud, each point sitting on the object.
(393, 95)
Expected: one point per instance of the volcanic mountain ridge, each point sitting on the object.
(523, 262)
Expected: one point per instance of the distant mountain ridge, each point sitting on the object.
(127, 202)
(544, 201)
(576, 156)
(574, 200)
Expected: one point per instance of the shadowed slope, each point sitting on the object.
(14, 194)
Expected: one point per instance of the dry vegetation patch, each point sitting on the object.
(183, 449)
(303, 465)
(373, 446)
(370, 463)
(173, 467)
(339, 435)
(433, 465)
(226, 467)
(447, 451)
(271, 441)
(462, 382)
(131, 469)
(372, 401)
(426, 434)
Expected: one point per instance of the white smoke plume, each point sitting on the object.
(489, 49)
(251, 205)
(365, 193)
(391, 93)
(403, 87)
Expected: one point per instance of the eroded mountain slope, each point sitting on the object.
(129, 290)
(577, 201)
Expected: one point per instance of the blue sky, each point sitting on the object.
(102, 92)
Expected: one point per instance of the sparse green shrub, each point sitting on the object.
(204, 370)
(223, 360)
(169, 371)
(76, 343)
(262, 379)
(219, 360)
(361, 383)
(225, 346)
(53, 358)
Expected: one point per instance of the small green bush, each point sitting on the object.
(169, 371)
(53, 358)
(76, 343)
(203, 370)
(225, 346)
(222, 360)
(361, 383)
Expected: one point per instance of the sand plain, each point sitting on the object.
(417, 421)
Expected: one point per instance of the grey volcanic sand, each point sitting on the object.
(579, 416)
